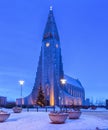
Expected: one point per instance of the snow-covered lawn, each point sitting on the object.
(33, 120)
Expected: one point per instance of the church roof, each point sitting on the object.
(51, 28)
(72, 81)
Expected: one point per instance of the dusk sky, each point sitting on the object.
(83, 31)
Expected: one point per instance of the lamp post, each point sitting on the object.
(21, 82)
(63, 82)
(59, 101)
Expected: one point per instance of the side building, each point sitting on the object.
(3, 101)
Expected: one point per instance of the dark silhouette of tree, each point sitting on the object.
(41, 97)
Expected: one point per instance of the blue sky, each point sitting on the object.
(83, 30)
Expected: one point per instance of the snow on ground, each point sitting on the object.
(33, 120)
(97, 109)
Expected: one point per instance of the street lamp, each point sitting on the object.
(21, 82)
(63, 82)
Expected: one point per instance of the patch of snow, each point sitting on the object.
(33, 120)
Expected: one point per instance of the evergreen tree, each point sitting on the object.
(40, 98)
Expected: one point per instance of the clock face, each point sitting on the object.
(47, 44)
(56, 45)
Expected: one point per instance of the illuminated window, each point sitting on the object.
(56, 45)
(47, 44)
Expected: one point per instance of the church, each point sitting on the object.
(58, 88)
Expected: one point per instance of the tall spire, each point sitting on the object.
(51, 31)
(50, 67)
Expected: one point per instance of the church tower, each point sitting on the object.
(58, 88)
(50, 67)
